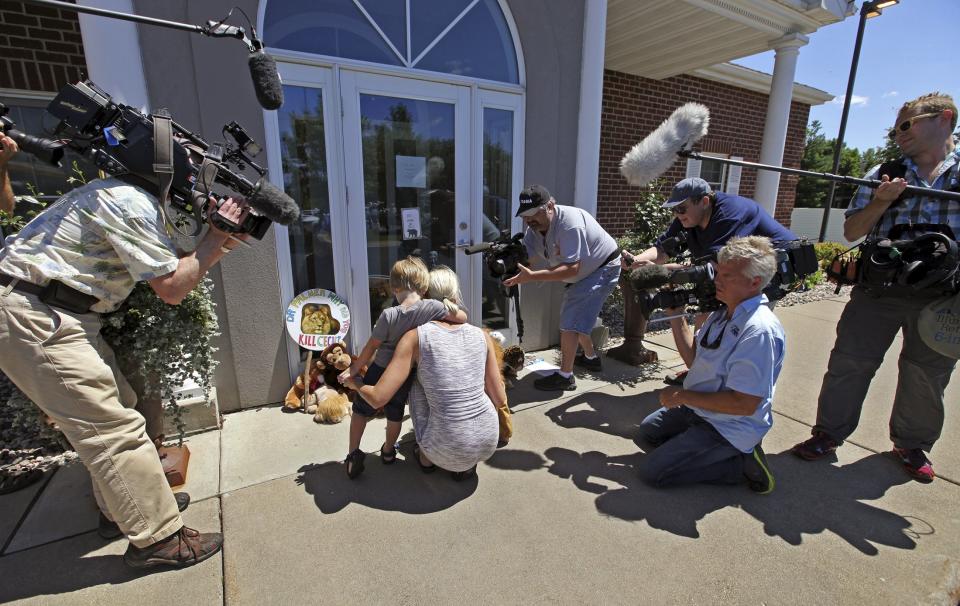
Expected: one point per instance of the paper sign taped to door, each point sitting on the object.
(411, 223)
(411, 171)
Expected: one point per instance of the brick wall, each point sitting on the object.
(40, 47)
(633, 106)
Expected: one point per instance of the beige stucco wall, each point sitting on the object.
(205, 83)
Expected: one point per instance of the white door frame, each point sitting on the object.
(322, 78)
(484, 99)
(352, 84)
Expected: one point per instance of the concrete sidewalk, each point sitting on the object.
(558, 516)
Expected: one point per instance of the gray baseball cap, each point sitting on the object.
(691, 187)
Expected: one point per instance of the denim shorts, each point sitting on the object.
(583, 300)
(394, 408)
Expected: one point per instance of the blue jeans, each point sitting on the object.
(689, 450)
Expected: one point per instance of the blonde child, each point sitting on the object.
(409, 281)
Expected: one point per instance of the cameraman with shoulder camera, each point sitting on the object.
(77, 259)
(571, 247)
(710, 430)
(873, 317)
(705, 221)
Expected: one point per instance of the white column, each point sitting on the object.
(112, 49)
(778, 114)
(591, 105)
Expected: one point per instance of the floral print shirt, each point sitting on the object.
(101, 239)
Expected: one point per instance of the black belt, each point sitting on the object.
(612, 256)
(27, 287)
(54, 293)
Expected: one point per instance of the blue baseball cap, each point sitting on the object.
(691, 187)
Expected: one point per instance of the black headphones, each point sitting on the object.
(930, 259)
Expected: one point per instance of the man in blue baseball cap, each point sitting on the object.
(705, 221)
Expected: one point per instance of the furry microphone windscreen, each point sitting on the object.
(650, 276)
(266, 80)
(274, 204)
(658, 151)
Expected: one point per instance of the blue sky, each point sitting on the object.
(906, 52)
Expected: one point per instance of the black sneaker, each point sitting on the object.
(556, 382)
(757, 470)
(591, 364)
(110, 530)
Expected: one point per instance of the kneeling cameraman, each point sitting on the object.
(707, 220)
(710, 430)
(77, 259)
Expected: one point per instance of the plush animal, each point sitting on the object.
(294, 398)
(327, 405)
(332, 401)
(334, 360)
(509, 360)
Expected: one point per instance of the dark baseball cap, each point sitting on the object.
(532, 198)
(691, 187)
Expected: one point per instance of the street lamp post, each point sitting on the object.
(868, 10)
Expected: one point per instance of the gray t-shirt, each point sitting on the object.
(573, 236)
(394, 322)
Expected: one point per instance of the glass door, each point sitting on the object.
(306, 130)
(407, 165)
(497, 132)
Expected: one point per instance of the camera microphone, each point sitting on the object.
(274, 204)
(655, 155)
(650, 276)
(266, 80)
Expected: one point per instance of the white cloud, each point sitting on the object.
(892, 93)
(854, 100)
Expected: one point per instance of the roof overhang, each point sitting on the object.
(750, 79)
(662, 38)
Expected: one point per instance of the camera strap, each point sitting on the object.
(163, 169)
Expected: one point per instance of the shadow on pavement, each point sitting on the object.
(607, 413)
(33, 569)
(810, 498)
(401, 486)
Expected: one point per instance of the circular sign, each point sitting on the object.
(317, 318)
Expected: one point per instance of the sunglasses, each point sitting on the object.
(906, 124)
(680, 209)
(707, 344)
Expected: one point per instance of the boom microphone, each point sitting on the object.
(650, 276)
(266, 80)
(658, 151)
(273, 204)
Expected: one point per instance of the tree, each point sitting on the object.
(818, 157)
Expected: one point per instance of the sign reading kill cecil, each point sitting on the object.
(317, 318)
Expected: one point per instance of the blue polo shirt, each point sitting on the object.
(732, 216)
(748, 359)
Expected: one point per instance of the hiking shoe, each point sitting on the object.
(757, 470)
(591, 364)
(110, 530)
(916, 463)
(676, 379)
(183, 548)
(816, 447)
(556, 382)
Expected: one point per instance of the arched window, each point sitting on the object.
(463, 37)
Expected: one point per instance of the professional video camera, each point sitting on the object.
(122, 141)
(795, 260)
(49, 151)
(502, 256)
